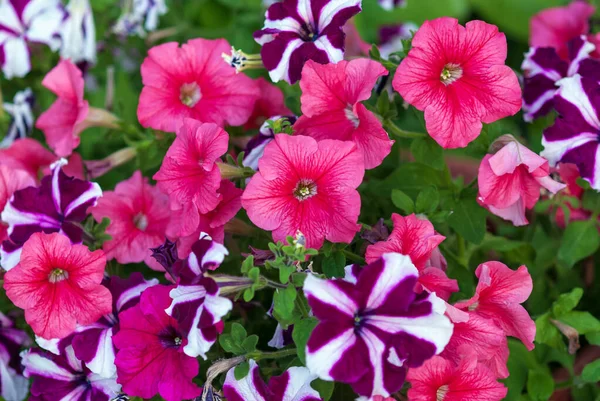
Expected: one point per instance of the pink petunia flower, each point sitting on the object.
(150, 358)
(70, 114)
(189, 174)
(440, 379)
(307, 186)
(331, 96)
(457, 76)
(498, 296)
(555, 27)
(270, 103)
(192, 81)
(510, 180)
(11, 180)
(139, 217)
(58, 285)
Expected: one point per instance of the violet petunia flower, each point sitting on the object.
(389, 5)
(574, 137)
(21, 117)
(59, 204)
(23, 22)
(139, 17)
(371, 331)
(13, 386)
(256, 147)
(64, 377)
(296, 31)
(292, 385)
(543, 68)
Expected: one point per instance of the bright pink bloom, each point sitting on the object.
(331, 96)
(441, 380)
(58, 285)
(139, 216)
(498, 296)
(510, 180)
(270, 103)
(193, 81)
(309, 186)
(150, 358)
(555, 27)
(189, 174)
(457, 76)
(11, 180)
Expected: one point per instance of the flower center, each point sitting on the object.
(141, 221)
(170, 337)
(350, 115)
(190, 94)
(451, 73)
(57, 275)
(441, 393)
(309, 33)
(305, 189)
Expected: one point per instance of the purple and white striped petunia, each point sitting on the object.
(21, 117)
(292, 385)
(389, 5)
(59, 204)
(93, 344)
(23, 22)
(391, 37)
(13, 386)
(371, 331)
(64, 377)
(575, 134)
(196, 305)
(543, 68)
(256, 147)
(296, 31)
(78, 33)
(139, 17)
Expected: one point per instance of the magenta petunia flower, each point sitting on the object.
(331, 96)
(192, 81)
(150, 359)
(543, 68)
(575, 134)
(59, 204)
(446, 62)
(309, 186)
(13, 386)
(292, 385)
(510, 180)
(370, 332)
(296, 31)
(270, 103)
(139, 218)
(64, 377)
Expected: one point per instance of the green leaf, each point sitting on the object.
(583, 322)
(333, 265)
(547, 333)
(241, 370)
(591, 372)
(593, 338)
(238, 333)
(403, 201)
(591, 201)
(425, 150)
(428, 200)
(229, 345)
(248, 264)
(284, 273)
(324, 388)
(249, 344)
(284, 306)
(300, 335)
(567, 302)
(540, 384)
(468, 219)
(580, 240)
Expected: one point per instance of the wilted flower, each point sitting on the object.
(21, 117)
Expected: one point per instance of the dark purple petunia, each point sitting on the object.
(93, 344)
(13, 386)
(59, 204)
(256, 147)
(64, 377)
(575, 134)
(296, 31)
(292, 385)
(196, 304)
(543, 68)
(374, 327)
(391, 4)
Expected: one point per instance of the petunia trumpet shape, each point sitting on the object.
(446, 62)
(510, 180)
(371, 331)
(574, 136)
(13, 386)
(296, 31)
(332, 108)
(58, 285)
(192, 81)
(309, 186)
(292, 385)
(59, 204)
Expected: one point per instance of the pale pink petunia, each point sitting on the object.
(193, 81)
(270, 103)
(11, 180)
(139, 217)
(555, 27)
(510, 180)
(498, 296)
(457, 76)
(331, 104)
(309, 186)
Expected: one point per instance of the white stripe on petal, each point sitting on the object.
(14, 386)
(332, 8)
(16, 63)
(108, 386)
(571, 90)
(9, 18)
(282, 69)
(376, 349)
(76, 394)
(215, 254)
(537, 105)
(396, 268)
(584, 53)
(8, 260)
(182, 294)
(36, 364)
(245, 388)
(103, 362)
(322, 360)
(326, 292)
(298, 387)
(555, 150)
(94, 192)
(134, 292)
(197, 344)
(335, 55)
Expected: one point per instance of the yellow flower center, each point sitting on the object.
(451, 73)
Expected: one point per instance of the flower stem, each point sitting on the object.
(397, 132)
(300, 304)
(258, 355)
(273, 284)
(353, 257)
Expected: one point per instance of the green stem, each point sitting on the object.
(396, 131)
(472, 183)
(460, 247)
(258, 355)
(273, 284)
(301, 306)
(353, 257)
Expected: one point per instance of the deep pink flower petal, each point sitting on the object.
(270, 103)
